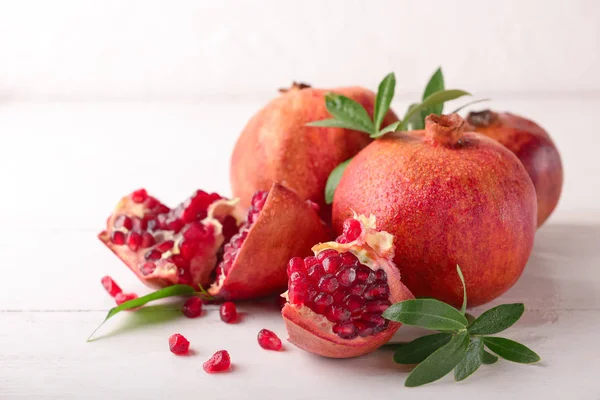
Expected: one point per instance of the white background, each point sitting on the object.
(98, 98)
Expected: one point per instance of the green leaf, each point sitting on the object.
(440, 362)
(497, 319)
(471, 362)
(390, 128)
(419, 349)
(385, 94)
(427, 313)
(417, 121)
(463, 309)
(470, 103)
(435, 84)
(435, 98)
(334, 179)
(348, 110)
(488, 358)
(337, 123)
(511, 350)
(175, 290)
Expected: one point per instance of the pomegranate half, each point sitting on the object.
(277, 146)
(534, 148)
(449, 197)
(336, 297)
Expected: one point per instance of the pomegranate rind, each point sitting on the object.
(286, 227)
(313, 332)
(166, 273)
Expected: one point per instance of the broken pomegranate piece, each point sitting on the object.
(219, 362)
(278, 226)
(164, 246)
(336, 298)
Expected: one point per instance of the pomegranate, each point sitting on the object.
(178, 344)
(228, 312)
(277, 146)
(165, 246)
(279, 225)
(449, 197)
(534, 148)
(219, 362)
(336, 298)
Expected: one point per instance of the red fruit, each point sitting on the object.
(178, 344)
(228, 312)
(534, 148)
(279, 226)
(121, 297)
(449, 197)
(328, 318)
(192, 308)
(111, 286)
(165, 246)
(219, 362)
(277, 146)
(268, 340)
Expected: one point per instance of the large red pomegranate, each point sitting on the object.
(336, 297)
(449, 197)
(185, 245)
(533, 146)
(277, 146)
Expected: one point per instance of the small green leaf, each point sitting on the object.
(511, 350)
(337, 123)
(463, 309)
(471, 362)
(488, 358)
(417, 121)
(470, 103)
(334, 179)
(175, 290)
(435, 98)
(420, 348)
(435, 84)
(390, 128)
(348, 110)
(440, 362)
(385, 94)
(427, 313)
(497, 319)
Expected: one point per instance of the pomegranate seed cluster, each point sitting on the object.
(232, 248)
(337, 286)
(147, 234)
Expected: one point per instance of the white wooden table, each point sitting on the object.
(63, 166)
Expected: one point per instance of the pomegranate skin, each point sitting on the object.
(286, 227)
(449, 197)
(277, 146)
(534, 148)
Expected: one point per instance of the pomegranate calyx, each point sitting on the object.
(446, 130)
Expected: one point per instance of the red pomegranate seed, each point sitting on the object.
(326, 253)
(363, 328)
(268, 340)
(380, 275)
(165, 246)
(355, 304)
(192, 308)
(134, 240)
(121, 297)
(337, 313)
(298, 292)
(139, 196)
(378, 306)
(228, 312)
(346, 330)
(178, 344)
(321, 302)
(147, 240)
(147, 268)
(364, 274)
(331, 264)
(375, 319)
(346, 276)
(111, 286)
(296, 264)
(377, 291)
(310, 261)
(219, 362)
(117, 237)
(349, 259)
(316, 272)
(153, 255)
(352, 229)
(328, 284)
(123, 221)
(358, 289)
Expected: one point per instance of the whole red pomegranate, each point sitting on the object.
(277, 146)
(336, 298)
(533, 146)
(185, 245)
(449, 197)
